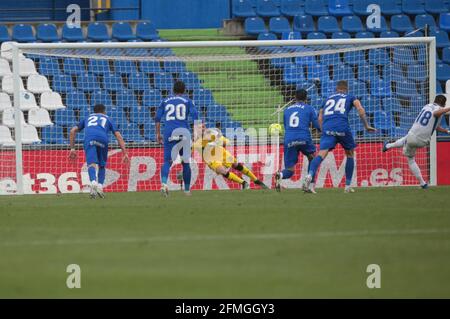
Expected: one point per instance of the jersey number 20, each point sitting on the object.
(177, 112)
(331, 107)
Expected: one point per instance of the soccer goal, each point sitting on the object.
(240, 87)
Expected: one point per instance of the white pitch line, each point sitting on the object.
(268, 236)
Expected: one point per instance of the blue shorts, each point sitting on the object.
(329, 140)
(292, 150)
(96, 152)
(169, 147)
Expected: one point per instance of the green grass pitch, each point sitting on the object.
(228, 244)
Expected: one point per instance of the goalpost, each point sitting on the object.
(238, 86)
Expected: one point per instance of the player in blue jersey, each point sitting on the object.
(297, 120)
(333, 118)
(96, 127)
(175, 111)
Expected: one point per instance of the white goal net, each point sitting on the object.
(239, 87)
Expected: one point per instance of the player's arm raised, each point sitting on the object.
(441, 111)
(73, 133)
(362, 115)
(125, 158)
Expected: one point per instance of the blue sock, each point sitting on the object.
(101, 175)
(187, 176)
(287, 173)
(309, 168)
(349, 167)
(92, 174)
(165, 172)
(314, 165)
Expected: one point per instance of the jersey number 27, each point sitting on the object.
(332, 106)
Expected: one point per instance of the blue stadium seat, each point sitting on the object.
(328, 24)
(87, 82)
(73, 66)
(413, 7)
(383, 26)
(443, 72)
(122, 31)
(417, 72)
(424, 19)
(53, 135)
(389, 34)
(118, 116)
(316, 36)
(64, 117)
(76, 100)
(304, 23)
(379, 57)
(390, 7)
(355, 58)
(23, 33)
(343, 72)
(364, 35)
(131, 133)
(174, 66)
(352, 24)
(279, 25)
(126, 99)
(402, 56)
(49, 66)
(328, 88)
(203, 97)
(254, 26)
(72, 34)
(406, 89)
(292, 8)
(439, 89)
(163, 81)
(216, 112)
(146, 31)
(102, 97)
(293, 74)
(293, 35)
(444, 21)
(280, 63)
(391, 105)
(360, 7)
(383, 120)
(401, 23)
(98, 32)
(414, 34)
(112, 82)
(4, 34)
(341, 35)
(138, 81)
(380, 88)
(140, 115)
(418, 101)
(151, 98)
(190, 79)
(368, 73)
(393, 72)
(309, 86)
(330, 59)
(339, 8)
(125, 67)
(371, 103)
(149, 131)
(357, 88)
(267, 8)
(47, 32)
(243, 9)
(305, 60)
(62, 83)
(318, 71)
(435, 6)
(98, 67)
(442, 39)
(267, 36)
(150, 66)
(446, 55)
(316, 7)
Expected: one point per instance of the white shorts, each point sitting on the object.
(412, 143)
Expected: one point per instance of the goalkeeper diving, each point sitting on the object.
(211, 145)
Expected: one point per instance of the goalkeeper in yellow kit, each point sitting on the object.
(212, 148)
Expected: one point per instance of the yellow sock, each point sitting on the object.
(249, 173)
(233, 177)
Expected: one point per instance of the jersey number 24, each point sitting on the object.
(332, 107)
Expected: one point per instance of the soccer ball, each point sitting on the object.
(275, 129)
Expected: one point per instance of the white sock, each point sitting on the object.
(415, 170)
(398, 143)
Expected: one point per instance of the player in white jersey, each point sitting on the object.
(420, 134)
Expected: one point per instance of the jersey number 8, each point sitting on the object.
(424, 117)
(331, 106)
(177, 112)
